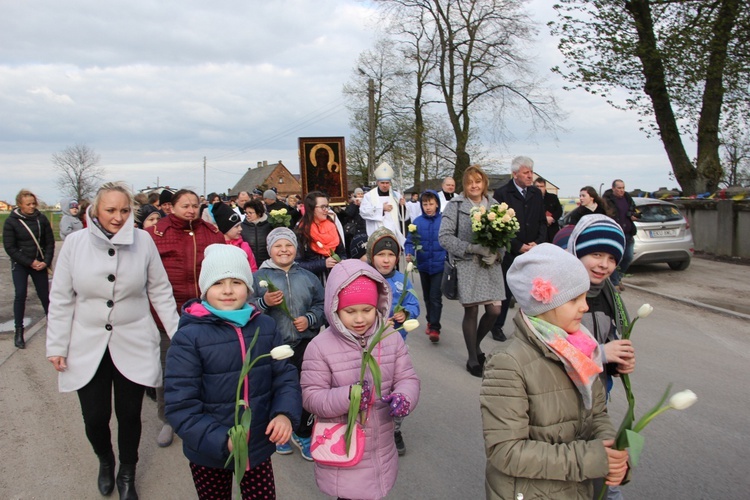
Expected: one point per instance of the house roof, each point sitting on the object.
(255, 177)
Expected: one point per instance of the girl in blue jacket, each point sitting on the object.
(202, 372)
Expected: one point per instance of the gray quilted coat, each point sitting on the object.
(475, 283)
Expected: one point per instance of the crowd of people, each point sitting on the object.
(174, 292)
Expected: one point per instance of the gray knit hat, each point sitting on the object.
(281, 233)
(222, 261)
(269, 194)
(546, 277)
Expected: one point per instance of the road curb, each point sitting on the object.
(719, 310)
(33, 329)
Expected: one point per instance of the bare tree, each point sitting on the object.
(79, 173)
(736, 159)
(480, 64)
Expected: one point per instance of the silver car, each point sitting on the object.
(663, 235)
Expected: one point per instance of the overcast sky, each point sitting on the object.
(153, 87)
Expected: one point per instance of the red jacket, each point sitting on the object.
(181, 244)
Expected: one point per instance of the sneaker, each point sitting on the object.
(304, 446)
(400, 446)
(434, 335)
(284, 449)
(165, 437)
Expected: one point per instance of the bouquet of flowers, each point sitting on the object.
(494, 228)
(368, 360)
(279, 218)
(241, 429)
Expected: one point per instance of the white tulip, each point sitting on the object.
(410, 324)
(263, 283)
(282, 352)
(683, 399)
(409, 267)
(320, 245)
(645, 310)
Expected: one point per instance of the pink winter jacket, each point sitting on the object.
(332, 364)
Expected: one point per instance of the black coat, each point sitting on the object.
(553, 206)
(20, 245)
(529, 212)
(254, 234)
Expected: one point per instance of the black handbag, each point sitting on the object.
(449, 284)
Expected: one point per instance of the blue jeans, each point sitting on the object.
(433, 297)
(627, 258)
(21, 275)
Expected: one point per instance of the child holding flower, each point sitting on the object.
(422, 246)
(203, 368)
(357, 302)
(546, 429)
(299, 317)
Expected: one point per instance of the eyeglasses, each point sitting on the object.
(324, 207)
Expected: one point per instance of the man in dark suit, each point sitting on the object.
(552, 208)
(528, 202)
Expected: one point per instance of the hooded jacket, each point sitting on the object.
(431, 257)
(19, 244)
(181, 244)
(304, 297)
(68, 223)
(332, 364)
(100, 299)
(202, 371)
(540, 440)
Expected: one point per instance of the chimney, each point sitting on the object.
(260, 164)
(265, 163)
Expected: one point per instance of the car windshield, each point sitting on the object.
(659, 213)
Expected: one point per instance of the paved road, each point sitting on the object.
(699, 453)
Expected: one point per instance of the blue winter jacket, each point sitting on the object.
(304, 296)
(200, 385)
(411, 301)
(431, 257)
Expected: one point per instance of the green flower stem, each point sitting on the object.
(243, 374)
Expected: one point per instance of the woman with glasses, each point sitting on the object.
(255, 229)
(320, 241)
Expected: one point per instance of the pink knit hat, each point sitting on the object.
(362, 290)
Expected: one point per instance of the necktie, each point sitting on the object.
(523, 192)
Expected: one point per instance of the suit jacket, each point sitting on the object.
(529, 212)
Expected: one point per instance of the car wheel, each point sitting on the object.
(679, 266)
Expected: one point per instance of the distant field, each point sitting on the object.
(54, 218)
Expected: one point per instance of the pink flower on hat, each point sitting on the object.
(543, 290)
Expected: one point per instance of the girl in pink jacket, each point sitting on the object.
(357, 301)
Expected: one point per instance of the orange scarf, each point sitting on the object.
(327, 235)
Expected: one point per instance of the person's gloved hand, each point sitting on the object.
(400, 406)
(479, 250)
(366, 393)
(488, 261)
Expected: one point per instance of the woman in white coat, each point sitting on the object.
(100, 334)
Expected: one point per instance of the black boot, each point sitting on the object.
(106, 479)
(126, 482)
(18, 340)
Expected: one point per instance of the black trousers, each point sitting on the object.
(96, 406)
(21, 275)
(433, 297)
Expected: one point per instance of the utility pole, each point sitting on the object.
(204, 176)
(371, 127)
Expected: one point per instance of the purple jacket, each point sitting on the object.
(331, 365)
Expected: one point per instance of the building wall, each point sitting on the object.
(284, 182)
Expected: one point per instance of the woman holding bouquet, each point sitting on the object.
(320, 243)
(480, 275)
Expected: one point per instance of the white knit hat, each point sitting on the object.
(546, 277)
(222, 261)
(384, 172)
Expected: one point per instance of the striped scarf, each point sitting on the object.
(581, 368)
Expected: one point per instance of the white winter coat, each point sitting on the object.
(100, 298)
